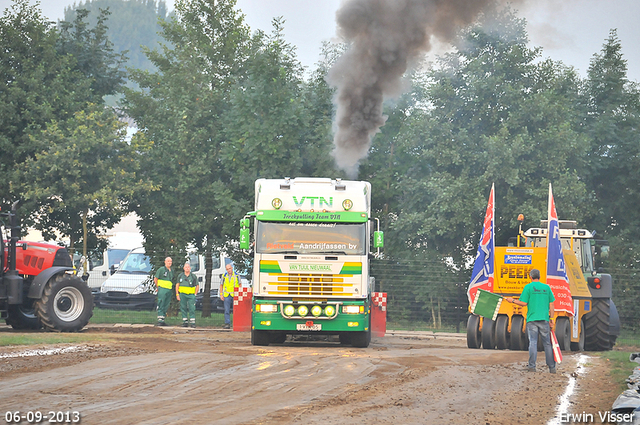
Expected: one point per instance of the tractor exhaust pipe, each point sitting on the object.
(12, 280)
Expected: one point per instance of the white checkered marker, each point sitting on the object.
(239, 294)
(380, 300)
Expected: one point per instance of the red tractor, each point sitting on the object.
(37, 285)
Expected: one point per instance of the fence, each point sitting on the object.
(421, 295)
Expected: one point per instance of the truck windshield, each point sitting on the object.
(136, 263)
(116, 256)
(311, 238)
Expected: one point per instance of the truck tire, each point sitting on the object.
(66, 304)
(474, 336)
(22, 317)
(488, 334)
(259, 337)
(361, 339)
(563, 333)
(517, 338)
(596, 325)
(278, 338)
(502, 332)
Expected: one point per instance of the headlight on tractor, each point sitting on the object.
(329, 310)
(289, 310)
(316, 310)
(303, 310)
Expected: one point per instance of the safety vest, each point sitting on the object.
(185, 283)
(165, 277)
(228, 285)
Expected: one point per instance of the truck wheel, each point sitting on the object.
(488, 334)
(22, 317)
(66, 304)
(579, 346)
(563, 333)
(596, 325)
(259, 337)
(361, 339)
(474, 336)
(517, 338)
(502, 332)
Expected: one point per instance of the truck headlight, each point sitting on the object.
(289, 310)
(329, 310)
(303, 310)
(353, 309)
(316, 310)
(267, 308)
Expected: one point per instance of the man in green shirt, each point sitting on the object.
(186, 289)
(538, 298)
(164, 285)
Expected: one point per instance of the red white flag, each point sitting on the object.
(557, 353)
(482, 275)
(556, 267)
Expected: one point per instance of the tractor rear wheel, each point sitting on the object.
(474, 336)
(517, 337)
(502, 332)
(22, 317)
(563, 333)
(488, 334)
(596, 324)
(66, 304)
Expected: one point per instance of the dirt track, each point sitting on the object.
(171, 376)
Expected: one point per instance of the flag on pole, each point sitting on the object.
(482, 275)
(556, 267)
(486, 304)
(557, 353)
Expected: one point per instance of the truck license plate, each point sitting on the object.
(303, 327)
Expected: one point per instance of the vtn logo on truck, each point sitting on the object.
(322, 201)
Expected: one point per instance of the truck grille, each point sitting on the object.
(307, 284)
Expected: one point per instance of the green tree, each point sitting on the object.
(179, 108)
(132, 25)
(83, 182)
(612, 120)
(493, 114)
(93, 54)
(37, 85)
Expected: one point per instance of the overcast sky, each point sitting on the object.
(567, 30)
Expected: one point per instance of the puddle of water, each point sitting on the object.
(48, 352)
(563, 407)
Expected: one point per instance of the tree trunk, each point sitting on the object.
(206, 295)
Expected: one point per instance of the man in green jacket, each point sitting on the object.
(538, 298)
(164, 285)
(186, 289)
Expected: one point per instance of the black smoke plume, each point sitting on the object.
(384, 36)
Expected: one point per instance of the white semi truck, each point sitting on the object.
(312, 247)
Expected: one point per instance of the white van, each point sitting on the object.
(103, 265)
(132, 287)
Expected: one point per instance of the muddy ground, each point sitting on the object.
(177, 376)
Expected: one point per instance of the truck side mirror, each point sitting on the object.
(244, 233)
(378, 239)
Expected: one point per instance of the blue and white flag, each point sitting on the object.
(482, 275)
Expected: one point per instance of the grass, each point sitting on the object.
(621, 367)
(102, 316)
